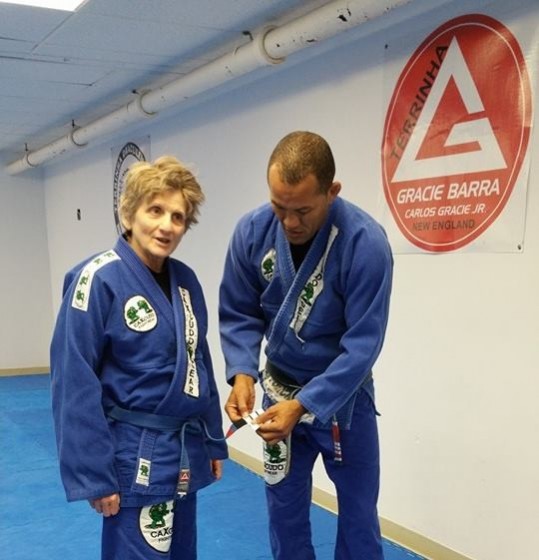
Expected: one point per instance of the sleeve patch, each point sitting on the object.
(81, 296)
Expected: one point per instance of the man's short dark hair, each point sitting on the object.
(300, 153)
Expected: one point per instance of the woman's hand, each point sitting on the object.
(217, 468)
(108, 505)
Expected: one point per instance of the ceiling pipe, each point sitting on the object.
(271, 46)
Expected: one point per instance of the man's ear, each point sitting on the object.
(334, 190)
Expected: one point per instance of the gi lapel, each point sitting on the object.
(185, 382)
(148, 284)
(306, 285)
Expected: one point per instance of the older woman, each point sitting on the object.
(135, 404)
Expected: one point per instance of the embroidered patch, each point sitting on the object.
(139, 315)
(143, 472)
(267, 266)
(312, 289)
(155, 524)
(81, 297)
(276, 461)
(191, 341)
(184, 478)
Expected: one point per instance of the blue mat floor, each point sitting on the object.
(38, 523)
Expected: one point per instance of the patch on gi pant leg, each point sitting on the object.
(155, 524)
(276, 461)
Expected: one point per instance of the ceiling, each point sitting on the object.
(59, 69)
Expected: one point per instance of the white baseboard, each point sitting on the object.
(390, 530)
(25, 371)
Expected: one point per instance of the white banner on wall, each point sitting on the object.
(122, 157)
(455, 149)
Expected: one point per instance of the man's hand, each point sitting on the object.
(108, 505)
(279, 420)
(242, 397)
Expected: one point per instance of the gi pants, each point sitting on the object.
(168, 532)
(356, 482)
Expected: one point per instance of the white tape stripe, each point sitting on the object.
(191, 342)
(81, 296)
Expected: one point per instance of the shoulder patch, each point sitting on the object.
(81, 297)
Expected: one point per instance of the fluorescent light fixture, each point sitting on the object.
(68, 5)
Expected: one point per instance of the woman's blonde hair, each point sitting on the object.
(144, 180)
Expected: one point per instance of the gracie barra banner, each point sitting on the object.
(456, 139)
(122, 157)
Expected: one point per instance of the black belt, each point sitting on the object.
(281, 377)
(284, 379)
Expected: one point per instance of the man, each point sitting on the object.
(310, 273)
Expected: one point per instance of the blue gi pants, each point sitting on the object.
(356, 482)
(123, 538)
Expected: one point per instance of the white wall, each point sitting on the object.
(456, 382)
(24, 277)
(79, 184)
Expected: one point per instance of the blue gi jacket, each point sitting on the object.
(118, 341)
(324, 324)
